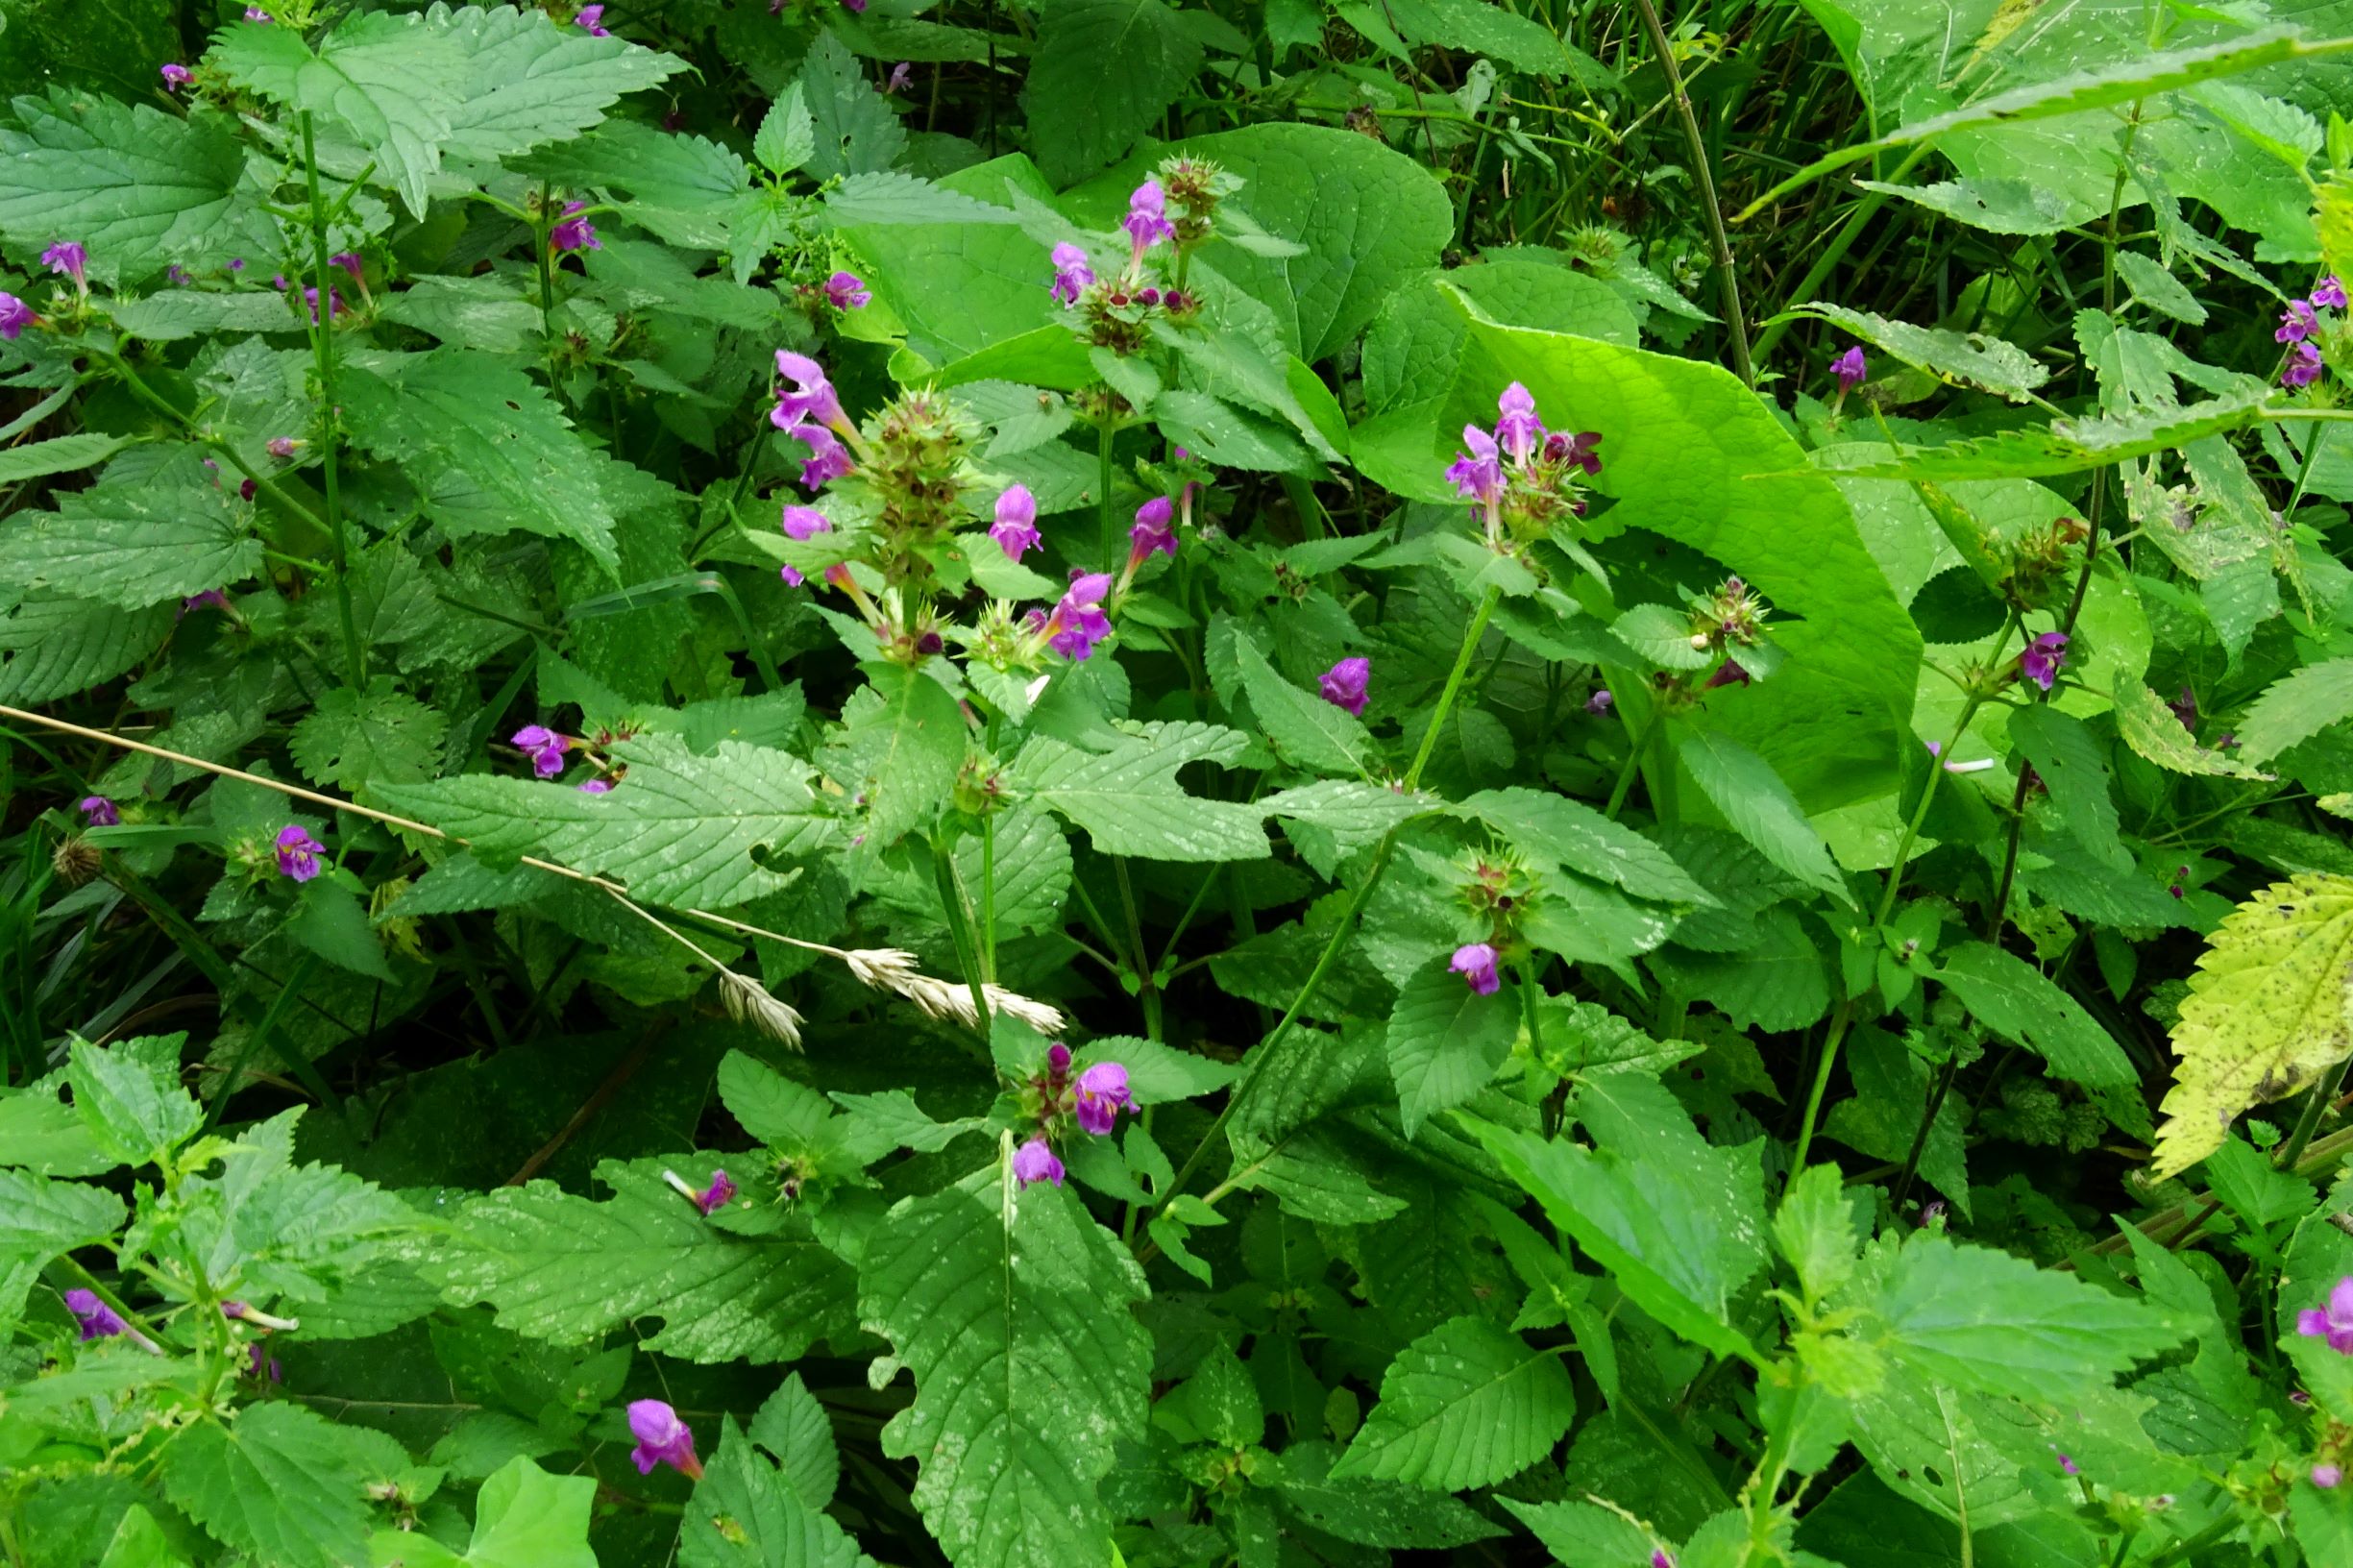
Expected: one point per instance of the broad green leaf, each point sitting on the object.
(389, 81)
(2151, 728)
(684, 187)
(139, 187)
(1308, 731)
(1579, 1535)
(854, 129)
(1759, 807)
(2159, 290)
(2069, 761)
(40, 1219)
(52, 647)
(1378, 1513)
(45, 1136)
(794, 1427)
(1814, 1229)
(744, 1515)
(1157, 1073)
(1446, 1041)
(1978, 1318)
(139, 1542)
(1013, 1313)
(1970, 358)
(135, 542)
(1315, 1176)
(488, 449)
(2065, 446)
(677, 829)
(1678, 1223)
(129, 1095)
(351, 741)
(787, 136)
(330, 920)
(1104, 73)
(2269, 1011)
(2014, 1000)
(529, 81)
(1466, 1405)
(902, 741)
(1128, 800)
(523, 1518)
(1585, 1038)
(892, 1116)
(567, 1270)
(1474, 27)
(2296, 707)
(58, 455)
(1559, 831)
(178, 313)
(280, 1483)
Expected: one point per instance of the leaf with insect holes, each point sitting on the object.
(1128, 800)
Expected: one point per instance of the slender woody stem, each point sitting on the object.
(1733, 319)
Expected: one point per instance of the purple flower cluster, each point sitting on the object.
(1096, 1098)
(2300, 323)
(1016, 529)
(98, 811)
(544, 747)
(575, 233)
(298, 853)
(662, 1439)
(2333, 1321)
(1520, 471)
(2040, 659)
(1078, 622)
(1347, 684)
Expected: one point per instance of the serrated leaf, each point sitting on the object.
(1104, 71)
(1559, 831)
(134, 542)
(389, 81)
(58, 455)
(40, 1219)
(854, 131)
(787, 136)
(1128, 800)
(1970, 358)
(902, 741)
(529, 82)
(893, 1116)
(55, 645)
(1759, 807)
(139, 187)
(351, 739)
(1977, 1318)
(488, 449)
(1157, 1074)
(2269, 1011)
(1466, 1405)
(1446, 1041)
(1814, 1229)
(1379, 1513)
(679, 828)
(684, 187)
(128, 1095)
(2065, 446)
(892, 196)
(1308, 731)
(2014, 1000)
(280, 1483)
(744, 1515)
(565, 1269)
(793, 1426)
(1013, 1314)
(2295, 708)
(2068, 759)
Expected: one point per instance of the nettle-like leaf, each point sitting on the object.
(1105, 71)
(530, 81)
(2269, 1010)
(1465, 1404)
(679, 828)
(280, 1483)
(1013, 1313)
(52, 646)
(129, 1096)
(523, 1516)
(1128, 799)
(1971, 358)
(166, 533)
(1307, 731)
(352, 740)
(745, 1513)
(1446, 1041)
(42, 1219)
(139, 187)
(568, 1270)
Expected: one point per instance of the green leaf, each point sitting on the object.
(853, 129)
(55, 645)
(1814, 1229)
(330, 922)
(1758, 806)
(2269, 1011)
(2159, 290)
(1157, 1074)
(794, 1427)
(2069, 761)
(2151, 728)
(1466, 1405)
(745, 1515)
(2013, 998)
(1585, 1535)
(389, 81)
(139, 188)
(58, 455)
(1680, 1224)
(1128, 800)
(902, 742)
(1446, 1041)
(40, 1219)
(1559, 831)
(1308, 731)
(45, 1136)
(1976, 1318)
(679, 829)
(2295, 708)
(178, 313)
(1380, 1513)
(351, 740)
(567, 1270)
(1104, 72)
(685, 188)
(1969, 358)
(529, 82)
(280, 1483)
(130, 1098)
(135, 542)
(2065, 446)
(1013, 1314)
(486, 447)
(788, 135)
(523, 1518)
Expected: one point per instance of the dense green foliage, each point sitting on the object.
(1066, 782)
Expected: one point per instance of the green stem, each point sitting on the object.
(1110, 537)
(286, 993)
(1833, 254)
(331, 418)
(1733, 319)
(987, 897)
(1633, 757)
(2324, 1095)
(960, 933)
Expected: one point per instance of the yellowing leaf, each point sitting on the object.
(2269, 1011)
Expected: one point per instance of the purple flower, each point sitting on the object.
(597, 786)
(574, 233)
(176, 75)
(1475, 961)
(828, 459)
(335, 302)
(2068, 1466)
(2303, 366)
(1154, 532)
(1728, 674)
(855, 7)
(1583, 448)
(812, 397)
(2328, 1477)
(14, 316)
(178, 275)
(1660, 1558)
(1346, 684)
(1016, 529)
(1102, 1094)
(211, 599)
(68, 259)
(1147, 217)
(846, 291)
(662, 1439)
(2296, 323)
(281, 446)
(2329, 293)
(254, 14)
(298, 853)
(2041, 660)
(1058, 1058)
(802, 524)
(98, 811)
(1599, 702)
(901, 74)
(260, 1366)
(1850, 367)
(590, 18)
(1518, 431)
(1034, 1161)
(718, 1195)
(2333, 1322)
(1078, 622)
(545, 747)
(1071, 274)
(98, 1320)
(349, 261)
(2185, 709)
(1480, 475)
